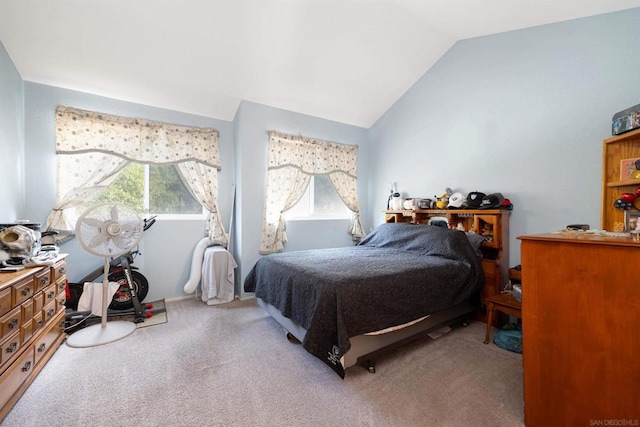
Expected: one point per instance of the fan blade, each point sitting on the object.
(98, 240)
(114, 213)
(130, 226)
(119, 242)
(93, 222)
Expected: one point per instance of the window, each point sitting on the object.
(296, 165)
(93, 150)
(152, 190)
(319, 201)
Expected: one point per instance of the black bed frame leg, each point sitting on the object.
(371, 366)
(292, 339)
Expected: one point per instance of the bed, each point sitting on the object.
(344, 304)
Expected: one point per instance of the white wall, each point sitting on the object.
(523, 113)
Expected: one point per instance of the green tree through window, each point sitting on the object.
(167, 193)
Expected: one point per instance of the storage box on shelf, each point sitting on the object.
(31, 326)
(495, 249)
(615, 181)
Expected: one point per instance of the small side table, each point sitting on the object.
(505, 303)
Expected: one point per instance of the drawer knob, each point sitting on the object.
(12, 347)
(62, 270)
(26, 291)
(13, 323)
(51, 294)
(42, 347)
(26, 366)
(44, 280)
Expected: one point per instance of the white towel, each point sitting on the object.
(217, 276)
(91, 298)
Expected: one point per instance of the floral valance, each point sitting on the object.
(144, 141)
(312, 156)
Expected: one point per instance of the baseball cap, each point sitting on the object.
(492, 201)
(474, 199)
(456, 200)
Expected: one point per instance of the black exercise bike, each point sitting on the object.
(133, 288)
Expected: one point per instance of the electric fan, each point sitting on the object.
(108, 231)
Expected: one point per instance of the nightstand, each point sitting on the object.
(505, 303)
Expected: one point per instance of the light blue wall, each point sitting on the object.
(251, 124)
(12, 197)
(523, 113)
(168, 246)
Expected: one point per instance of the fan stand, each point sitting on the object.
(105, 332)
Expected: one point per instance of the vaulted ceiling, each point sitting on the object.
(343, 60)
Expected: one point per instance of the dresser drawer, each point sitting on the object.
(10, 322)
(27, 310)
(26, 331)
(38, 303)
(45, 340)
(49, 311)
(5, 301)
(49, 293)
(61, 285)
(42, 279)
(60, 300)
(9, 346)
(38, 321)
(59, 270)
(17, 373)
(22, 291)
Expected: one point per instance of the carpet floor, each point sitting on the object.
(231, 365)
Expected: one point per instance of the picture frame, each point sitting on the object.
(631, 220)
(628, 169)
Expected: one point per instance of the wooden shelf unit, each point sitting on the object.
(615, 149)
(495, 262)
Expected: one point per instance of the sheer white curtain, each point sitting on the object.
(92, 148)
(292, 162)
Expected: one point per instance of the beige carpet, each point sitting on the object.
(231, 365)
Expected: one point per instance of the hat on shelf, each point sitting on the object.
(492, 201)
(474, 199)
(456, 200)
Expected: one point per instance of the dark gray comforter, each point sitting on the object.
(398, 273)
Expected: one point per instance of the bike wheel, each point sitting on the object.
(122, 298)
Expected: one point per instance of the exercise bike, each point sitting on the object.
(133, 288)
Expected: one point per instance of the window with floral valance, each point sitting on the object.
(93, 148)
(292, 161)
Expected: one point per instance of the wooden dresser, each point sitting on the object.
(581, 329)
(32, 322)
(495, 250)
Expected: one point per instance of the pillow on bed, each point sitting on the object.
(424, 239)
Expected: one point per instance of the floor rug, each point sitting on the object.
(157, 310)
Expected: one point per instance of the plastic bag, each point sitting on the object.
(509, 339)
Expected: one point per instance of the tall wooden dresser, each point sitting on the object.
(32, 323)
(581, 329)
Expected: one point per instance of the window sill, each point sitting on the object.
(318, 218)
